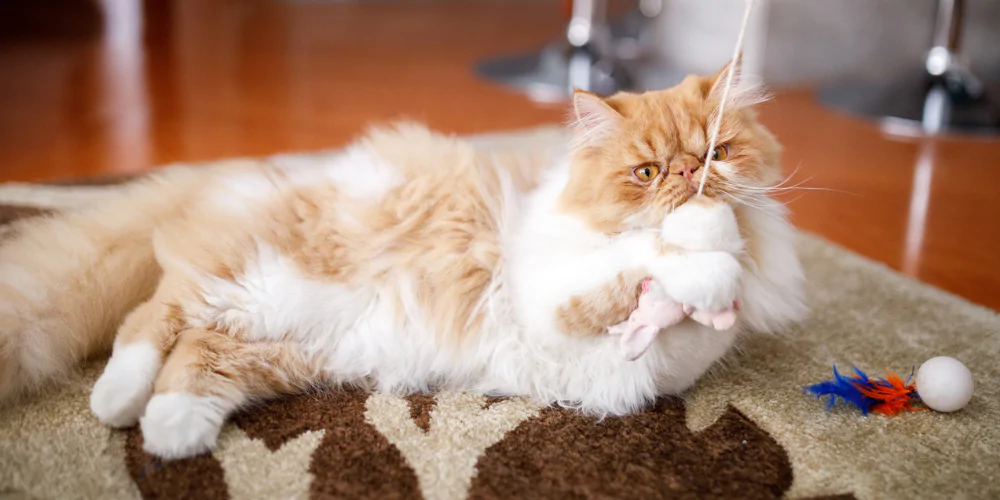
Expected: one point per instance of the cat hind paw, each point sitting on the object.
(181, 425)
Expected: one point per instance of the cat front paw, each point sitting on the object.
(120, 396)
(708, 281)
(703, 225)
(181, 425)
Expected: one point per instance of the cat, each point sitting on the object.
(410, 261)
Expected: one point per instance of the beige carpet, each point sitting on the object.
(746, 430)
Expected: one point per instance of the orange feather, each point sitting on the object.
(895, 395)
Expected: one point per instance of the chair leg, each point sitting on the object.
(944, 97)
(583, 57)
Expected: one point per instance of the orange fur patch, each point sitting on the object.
(592, 313)
(206, 363)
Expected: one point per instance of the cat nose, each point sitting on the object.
(688, 170)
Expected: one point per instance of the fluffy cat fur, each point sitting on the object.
(409, 262)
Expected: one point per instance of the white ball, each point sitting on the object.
(944, 384)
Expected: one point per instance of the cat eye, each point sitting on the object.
(646, 173)
(720, 153)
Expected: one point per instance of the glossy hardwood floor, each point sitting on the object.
(223, 78)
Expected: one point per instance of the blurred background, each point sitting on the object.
(887, 105)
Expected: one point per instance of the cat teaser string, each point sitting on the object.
(717, 123)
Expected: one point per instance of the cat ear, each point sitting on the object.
(742, 92)
(718, 81)
(595, 119)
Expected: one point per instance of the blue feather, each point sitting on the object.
(845, 388)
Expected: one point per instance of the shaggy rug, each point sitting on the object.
(746, 431)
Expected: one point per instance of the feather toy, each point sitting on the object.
(889, 396)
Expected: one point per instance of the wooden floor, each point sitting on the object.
(217, 79)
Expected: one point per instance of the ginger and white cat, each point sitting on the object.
(409, 262)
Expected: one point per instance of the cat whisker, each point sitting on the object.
(781, 187)
(743, 196)
(753, 202)
(793, 200)
(758, 202)
(796, 187)
(777, 187)
(752, 205)
(790, 176)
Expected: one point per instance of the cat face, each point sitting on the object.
(636, 157)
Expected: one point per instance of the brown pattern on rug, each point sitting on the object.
(421, 406)
(352, 461)
(195, 478)
(492, 400)
(562, 454)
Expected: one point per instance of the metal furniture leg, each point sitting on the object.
(588, 57)
(942, 98)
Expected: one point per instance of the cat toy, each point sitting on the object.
(942, 384)
(696, 226)
(657, 311)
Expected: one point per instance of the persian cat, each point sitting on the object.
(410, 261)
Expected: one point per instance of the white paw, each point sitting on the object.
(120, 395)
(708, 281)
(180, 425)
(703, 226)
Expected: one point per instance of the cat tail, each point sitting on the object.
(68, 280)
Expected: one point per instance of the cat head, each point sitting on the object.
(636, 157)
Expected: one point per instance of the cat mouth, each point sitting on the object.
(690, 191)
(685, 192)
